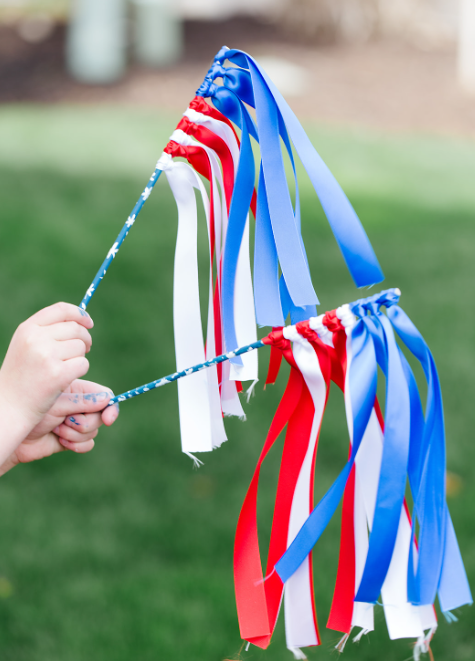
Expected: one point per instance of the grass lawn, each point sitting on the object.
(126, 553)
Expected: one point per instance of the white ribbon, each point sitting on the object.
(244, 309)
(300, 624)
(230, 403)
(201, 422)
(221, 129)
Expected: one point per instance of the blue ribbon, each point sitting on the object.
(440, 566)
(238, 212)
(272, 298)
(393, 471)
(267, 295)
(229, 100)
(347, 229)
(296, 313)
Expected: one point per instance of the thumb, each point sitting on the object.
(76, 402)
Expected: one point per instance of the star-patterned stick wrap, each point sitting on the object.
(120, 239)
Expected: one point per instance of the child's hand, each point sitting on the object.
(46, 354)
(71, 424)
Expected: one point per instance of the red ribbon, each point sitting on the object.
(200, 105)
(258, 601)
(275, 359)
(341, 612)
(211, 140)
(256, 615)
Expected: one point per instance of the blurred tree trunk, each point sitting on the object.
(97, 40)
(158, 39)
(466, 46)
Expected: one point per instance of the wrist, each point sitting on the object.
(15, 404)
(15, 424)
(10, 463)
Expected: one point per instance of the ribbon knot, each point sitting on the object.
(181, 137)
(316, 324)
(371, 306)
(211, 74)
(207, 87)
(165, 162)
(198, 104)
(187, 126)
(221, 55)
(305, 331)
(276, 339)
(331, 321)
(386, 298)
(217, 70)
(389, 297)
(358, 309)
(174, 149)
(346, 316)
(193, 115)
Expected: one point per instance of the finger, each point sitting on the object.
(74, 436)
(70, 330)
(79, 448)
(71, 403)
(110, 415)
(60, 312)
(70, 349)
(84, 386)
(84, 423)
(51, 446)
(44, 447)
(74, 369)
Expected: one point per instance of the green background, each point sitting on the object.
(126, 553)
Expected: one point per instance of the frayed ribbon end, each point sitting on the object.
(250, 391)
(340, 646)
(360, 635)
(196, 462)
(298, 654)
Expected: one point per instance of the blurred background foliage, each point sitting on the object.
(127, 552)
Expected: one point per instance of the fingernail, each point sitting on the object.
(73, 420)
(56, 431)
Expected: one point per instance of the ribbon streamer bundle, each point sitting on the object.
(347, 346)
